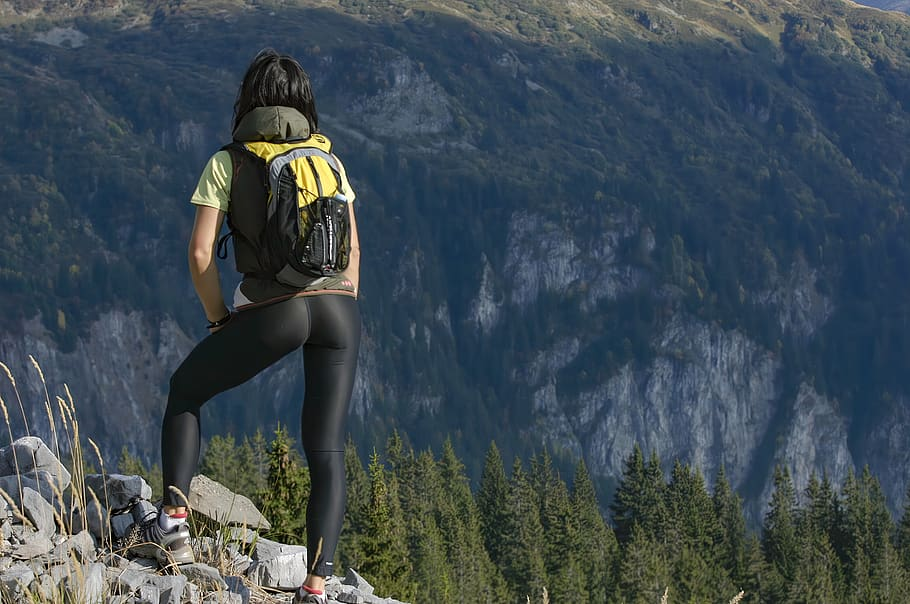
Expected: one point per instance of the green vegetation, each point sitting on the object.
(417, 532)
(744, 136)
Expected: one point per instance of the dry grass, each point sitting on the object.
(72, 502)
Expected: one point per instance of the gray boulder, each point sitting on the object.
(237, 586)
(28, 454)
(118, 491)
(286, 571)
(16, 579)
(216, 502)
(86, 583)
(204, 576)
(353, 579)
(163, 589)
(80, 546)
(266, 549)
(39, 481)
(39, 511)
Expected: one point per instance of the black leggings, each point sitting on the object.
(328, 328)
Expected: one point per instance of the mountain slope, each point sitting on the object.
(681, 224)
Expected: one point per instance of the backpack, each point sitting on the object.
(307, 231)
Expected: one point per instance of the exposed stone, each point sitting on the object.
(163, 589)
(203, 575)
(16, 579)
(39, 481)
(286, 571)
(39, 511)
(35, 546)
(126, 581)
(266, 549)
(86, 583)
(218, 503)
(353, 579)
(30, 453)
(120, 525)
(350, 598)
(223, 597)
(117, 490)
(237, 586)
(81, 546)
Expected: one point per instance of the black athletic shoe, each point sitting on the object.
(148, 540)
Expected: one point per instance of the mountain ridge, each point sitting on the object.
(725, 190)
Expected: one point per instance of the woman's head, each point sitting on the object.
(274, 79)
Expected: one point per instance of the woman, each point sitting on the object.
(274, 103)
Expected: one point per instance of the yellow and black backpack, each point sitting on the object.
(289, 210)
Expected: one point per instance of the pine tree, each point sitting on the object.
(871, 571)
(131, 465)
(492, 504)
(596, 546)
(350, 544)
(219, 461)
(639, 499)
(627, 500)
(644, 572)
(522, 564)
(561, 557)
(252, 465)
(459, 523)
(385, 555)
(695, 533)
(287, 491)
(779, 538)
(731, 548)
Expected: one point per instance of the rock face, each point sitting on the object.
(39, 557)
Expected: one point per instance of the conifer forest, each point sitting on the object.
(416, 529)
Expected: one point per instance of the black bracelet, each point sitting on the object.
(220, 322)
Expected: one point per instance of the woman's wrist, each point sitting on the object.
(221, 321)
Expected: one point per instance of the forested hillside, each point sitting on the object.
(682, 224)
(416, 531)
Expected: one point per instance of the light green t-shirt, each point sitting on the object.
(214, 188)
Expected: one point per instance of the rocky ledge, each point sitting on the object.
(65, 540)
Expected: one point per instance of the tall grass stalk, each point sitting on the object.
(9, 428)
(12, 381)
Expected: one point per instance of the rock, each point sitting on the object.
(127, 580)
(266, 549)
(116, 490)
(163, 589)
(30, 453)
(120, 525)
(95, 518)
(357, 582)
(237, 586)
(86, 583)
(350, 598)
(218, 503)
(81, 546)
(222, 597)
(286, 571)
(204, 576)
(15, 580)
(40, 481)
(34, 547)
(39, 511)
(142, 510)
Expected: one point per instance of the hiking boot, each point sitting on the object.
(304, 597)
(148, 540)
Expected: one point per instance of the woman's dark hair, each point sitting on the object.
(275, 79)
